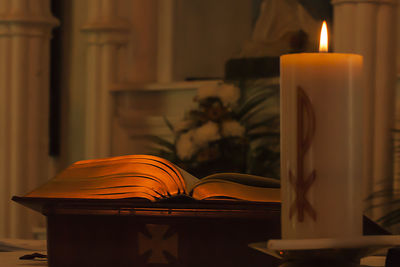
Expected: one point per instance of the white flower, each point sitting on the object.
(206, 133)
(206, 92)
(185, 147)
(232, 128)
(229, 94)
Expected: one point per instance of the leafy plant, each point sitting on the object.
(388, 198)
(227, 132)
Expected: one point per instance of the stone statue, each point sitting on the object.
(283, 26)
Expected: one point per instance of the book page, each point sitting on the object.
(223, 189)
(190, 180)
(246, 179)
(132, 176)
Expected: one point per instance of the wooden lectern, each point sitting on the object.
(140, 233)
(84, 232)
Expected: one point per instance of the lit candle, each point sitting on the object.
(321, 144)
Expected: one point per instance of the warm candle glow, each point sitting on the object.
(323, 41)
(321, 107)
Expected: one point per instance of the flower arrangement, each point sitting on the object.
(223, 134)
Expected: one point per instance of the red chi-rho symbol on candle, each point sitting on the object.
(305, 134)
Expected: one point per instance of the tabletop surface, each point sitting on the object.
(11, 259)
(19, 247)
(12, 249)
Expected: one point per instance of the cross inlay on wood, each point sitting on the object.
(159, 240)
(305, 134)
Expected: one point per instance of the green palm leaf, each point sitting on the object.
(390, 218)
(384, 203)
(271, 120)
(386, 192)
(164, 143)
(252, 103)
(168, 123)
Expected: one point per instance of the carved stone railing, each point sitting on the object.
(140, 109)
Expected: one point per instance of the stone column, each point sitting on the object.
(25, 32)
(165, 51)
(107, 37)
(368, 27)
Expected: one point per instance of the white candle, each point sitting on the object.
(321, 145)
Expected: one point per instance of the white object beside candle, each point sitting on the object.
(321, 145)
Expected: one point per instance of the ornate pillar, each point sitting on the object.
(165, 36)
(107, 38)
(368, 27)
(25, 32)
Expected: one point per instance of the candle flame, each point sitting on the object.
(323, 41)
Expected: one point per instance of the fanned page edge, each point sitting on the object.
(173, 173)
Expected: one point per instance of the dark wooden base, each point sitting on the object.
(176, 233)
(160, 235)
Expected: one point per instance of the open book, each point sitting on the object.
(152, 178)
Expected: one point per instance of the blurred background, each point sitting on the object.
(95, 78)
